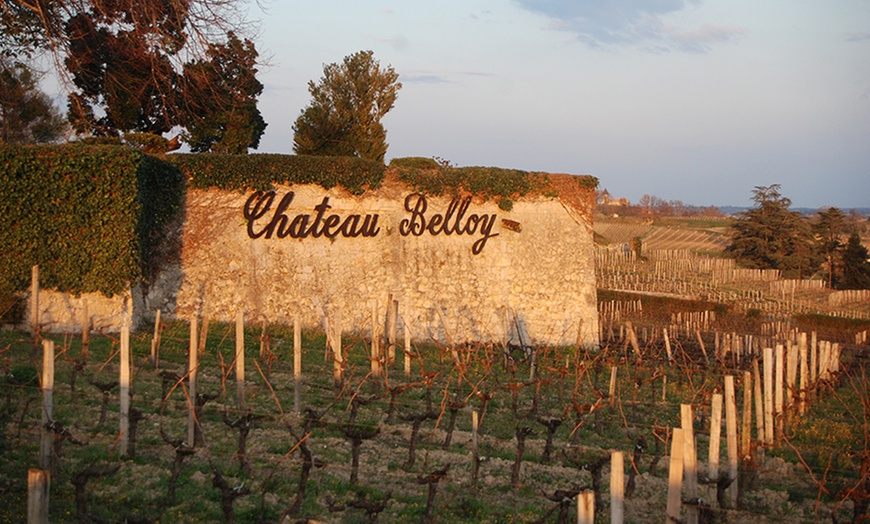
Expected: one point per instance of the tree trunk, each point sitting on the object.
(521, 433)
(355, 444)
(451, 424)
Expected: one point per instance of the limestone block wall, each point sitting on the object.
(479, 273)
(65, 313)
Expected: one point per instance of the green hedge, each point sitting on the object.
(415, 162)
(487, 182)
(261, 171)
(89, 216)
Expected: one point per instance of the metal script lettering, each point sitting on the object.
(266, 220)
(452, 221)
(302, 225)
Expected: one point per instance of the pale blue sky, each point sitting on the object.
(696, 100)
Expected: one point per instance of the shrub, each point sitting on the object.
(260, 172)
(415, 162)
(430, 177)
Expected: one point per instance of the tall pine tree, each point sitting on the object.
(772, 236)
(856, 265)
(344, 116)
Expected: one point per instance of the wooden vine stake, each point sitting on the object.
(746, 433)
(804, 373)
(778, 398)
(664, 388)
(47, 386)
(297, 364)
(124, 419)
(824, 359)
(38, 485)
(759, 402)
(703, 348)
(617, 487)
(768, 395)
(203, 335)
(814, 362)
(447, 334)
(376, 357)
(731, 436)
(333, 339)
(612, 385)
(407, 333)
(675, 477)
(191, 380)
(475, 449)
(715, 437)
(668, 344)
(632, 338)
(586, 507)
(791, 369)
(690, 462)
(155, 341)
(240, 359)
(392, 328)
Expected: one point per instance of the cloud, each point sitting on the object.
(640, 23)
(424, 78)
(399, 42)
(858, 37)
(434, 77)
(703, 38)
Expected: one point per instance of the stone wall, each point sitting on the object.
(65, 313)
(521, 276)
(478, 273)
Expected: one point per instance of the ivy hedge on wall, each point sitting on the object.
(261, 171)
(427, 176)
(89, 216)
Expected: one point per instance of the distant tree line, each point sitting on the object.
(650, 206)
(770, 235)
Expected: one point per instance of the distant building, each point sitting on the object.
(606, 199)
(621, 202)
